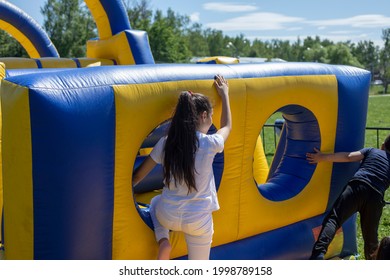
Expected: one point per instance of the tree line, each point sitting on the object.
(174, 38)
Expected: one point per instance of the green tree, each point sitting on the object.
(10, 47)
(297, 50)
(69, 25)
(262, 49)
(309, 42)
(197, 41)
(242, 46)
(217, 43)
(368, 55)
(385, 59)
(140, 14)
(340, 53)
(167, 39)
(169, 36)
(282, 49)
(316, 53)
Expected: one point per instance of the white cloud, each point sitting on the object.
(294, 28)
(269, 38)
(342, 32)
(228, 7)
(195, 17)
(256, 21)
(361, 21)
(331, 37)
(344, 37)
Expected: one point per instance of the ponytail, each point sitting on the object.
(182, 142)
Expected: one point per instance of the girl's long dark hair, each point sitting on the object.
(182, 142)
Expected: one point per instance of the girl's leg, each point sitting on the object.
(164, 249)
(161, 233)
(199, 236)
(370, 216)
(345, 206)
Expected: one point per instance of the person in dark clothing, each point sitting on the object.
(383, 252)
(364, 193)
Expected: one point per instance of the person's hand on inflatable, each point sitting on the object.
(314, 157)
(221, 85)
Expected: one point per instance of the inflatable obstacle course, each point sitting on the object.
(71, 139)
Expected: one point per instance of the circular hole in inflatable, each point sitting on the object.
(293, 134)
(266, 146)
(153, 183)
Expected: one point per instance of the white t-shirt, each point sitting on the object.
(205, 198)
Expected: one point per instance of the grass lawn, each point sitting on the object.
(378, 116)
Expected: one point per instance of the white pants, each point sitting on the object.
(197, 228)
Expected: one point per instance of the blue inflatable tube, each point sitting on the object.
(30, 29)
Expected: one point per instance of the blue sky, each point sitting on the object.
(337, 20)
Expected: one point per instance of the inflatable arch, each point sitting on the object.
(26, 31)
(71, 139)
(117, 41)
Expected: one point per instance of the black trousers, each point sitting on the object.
(356, 197)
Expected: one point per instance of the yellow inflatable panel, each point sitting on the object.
(2, 75)
(48, 62)
(27, 63)
(276, 92)
(100, 16)
(2, 70)
(116, 47)
(260, 164)
(18, 62)
(17, 153)
(244, 211)
(92, 62)
(219, 60)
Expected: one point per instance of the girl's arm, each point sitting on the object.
(226, 117)
(145, 167)
(318, 156)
